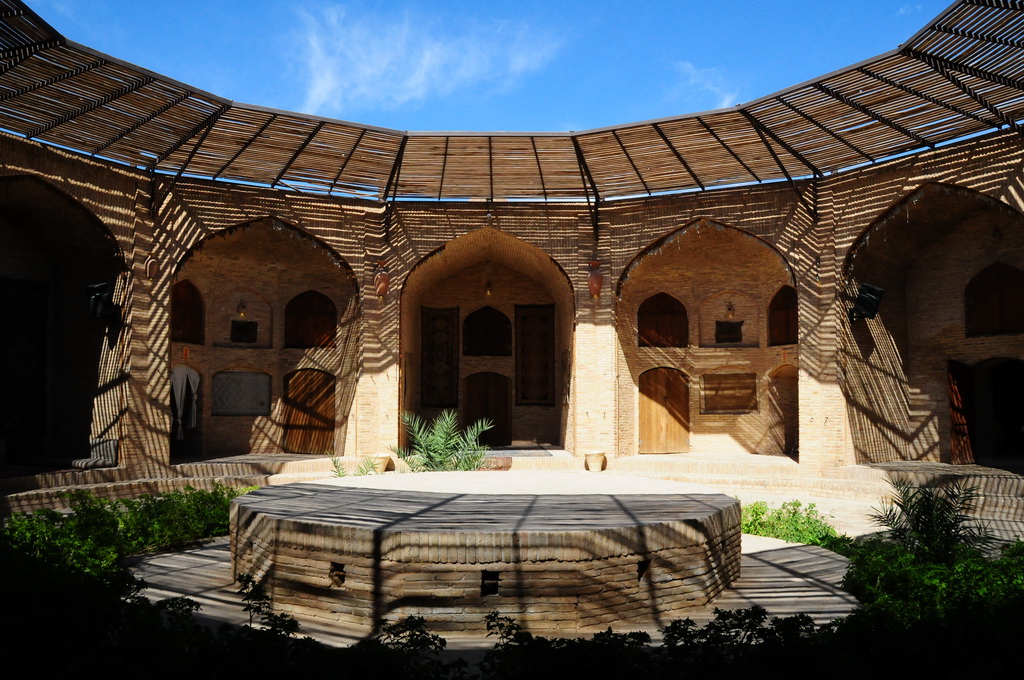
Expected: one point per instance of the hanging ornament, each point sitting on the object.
(595, 279)
(381, 280)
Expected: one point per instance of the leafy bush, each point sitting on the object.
(791, 522)
(931, 564)
(441, 445)
(97, 534)
(933, 523)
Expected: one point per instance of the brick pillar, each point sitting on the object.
(377, 407)
(823, 438)
(146, 427)
(595, 402)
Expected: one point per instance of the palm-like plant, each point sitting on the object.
(933, 523)
(441, 445)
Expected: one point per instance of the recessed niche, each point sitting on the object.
(241, 393)
(728, 332)
(337, 574)
(729, 392)
(489, 583)
(244, 331)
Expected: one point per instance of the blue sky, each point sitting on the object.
(490, 65)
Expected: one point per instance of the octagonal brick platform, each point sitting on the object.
(558, 552)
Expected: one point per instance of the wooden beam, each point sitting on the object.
(824, 128)
(298, 152)
(984, 74)
(40, 84)
(839, 96)
(348, 157)
(726, 147)
(91, 106)
(205, 124)
(928, 98)
(679, 156)
(248, 143)
(763, 130)
(636, 170)
(164, 108)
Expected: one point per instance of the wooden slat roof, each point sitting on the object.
(960, 75)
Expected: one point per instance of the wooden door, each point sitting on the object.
(664, 411)
(961, 390)
(486, 396)
(309, 412)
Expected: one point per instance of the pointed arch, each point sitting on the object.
(696, 226)
(994, 301)
(187, 313)
(487, 332)
(661, 321)
(310, 320)
(783, 322)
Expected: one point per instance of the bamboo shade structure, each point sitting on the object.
(960, 75)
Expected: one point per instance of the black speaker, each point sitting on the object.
(101, 301)
(866, 305)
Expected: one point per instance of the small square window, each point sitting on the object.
(244, 331)
(728, 331)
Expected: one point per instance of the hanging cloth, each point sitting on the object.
(183, 377)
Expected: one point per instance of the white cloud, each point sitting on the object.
(700, 85)
(356, 61)
(909, 8)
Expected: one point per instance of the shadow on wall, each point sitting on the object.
(704, 303)
(270, 318)
(487, 327)
(63, 360)
(896, 370)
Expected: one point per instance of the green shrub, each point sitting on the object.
(791, 522)
(933, 523)
(97, 534)
(441, 444)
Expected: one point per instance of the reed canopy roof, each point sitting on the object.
(962, 74)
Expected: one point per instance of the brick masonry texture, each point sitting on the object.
(553, 562)
(874, 391)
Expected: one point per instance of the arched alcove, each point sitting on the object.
(187, 313)
(947, 258)
(661, 321)
(310, 320)
(783, 323)
(62, 367)
(489, 303)
(279, 302)
(722, 278)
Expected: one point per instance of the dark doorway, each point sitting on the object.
(23, 369)
(987, 411)
(664, 411)
(487, 396)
